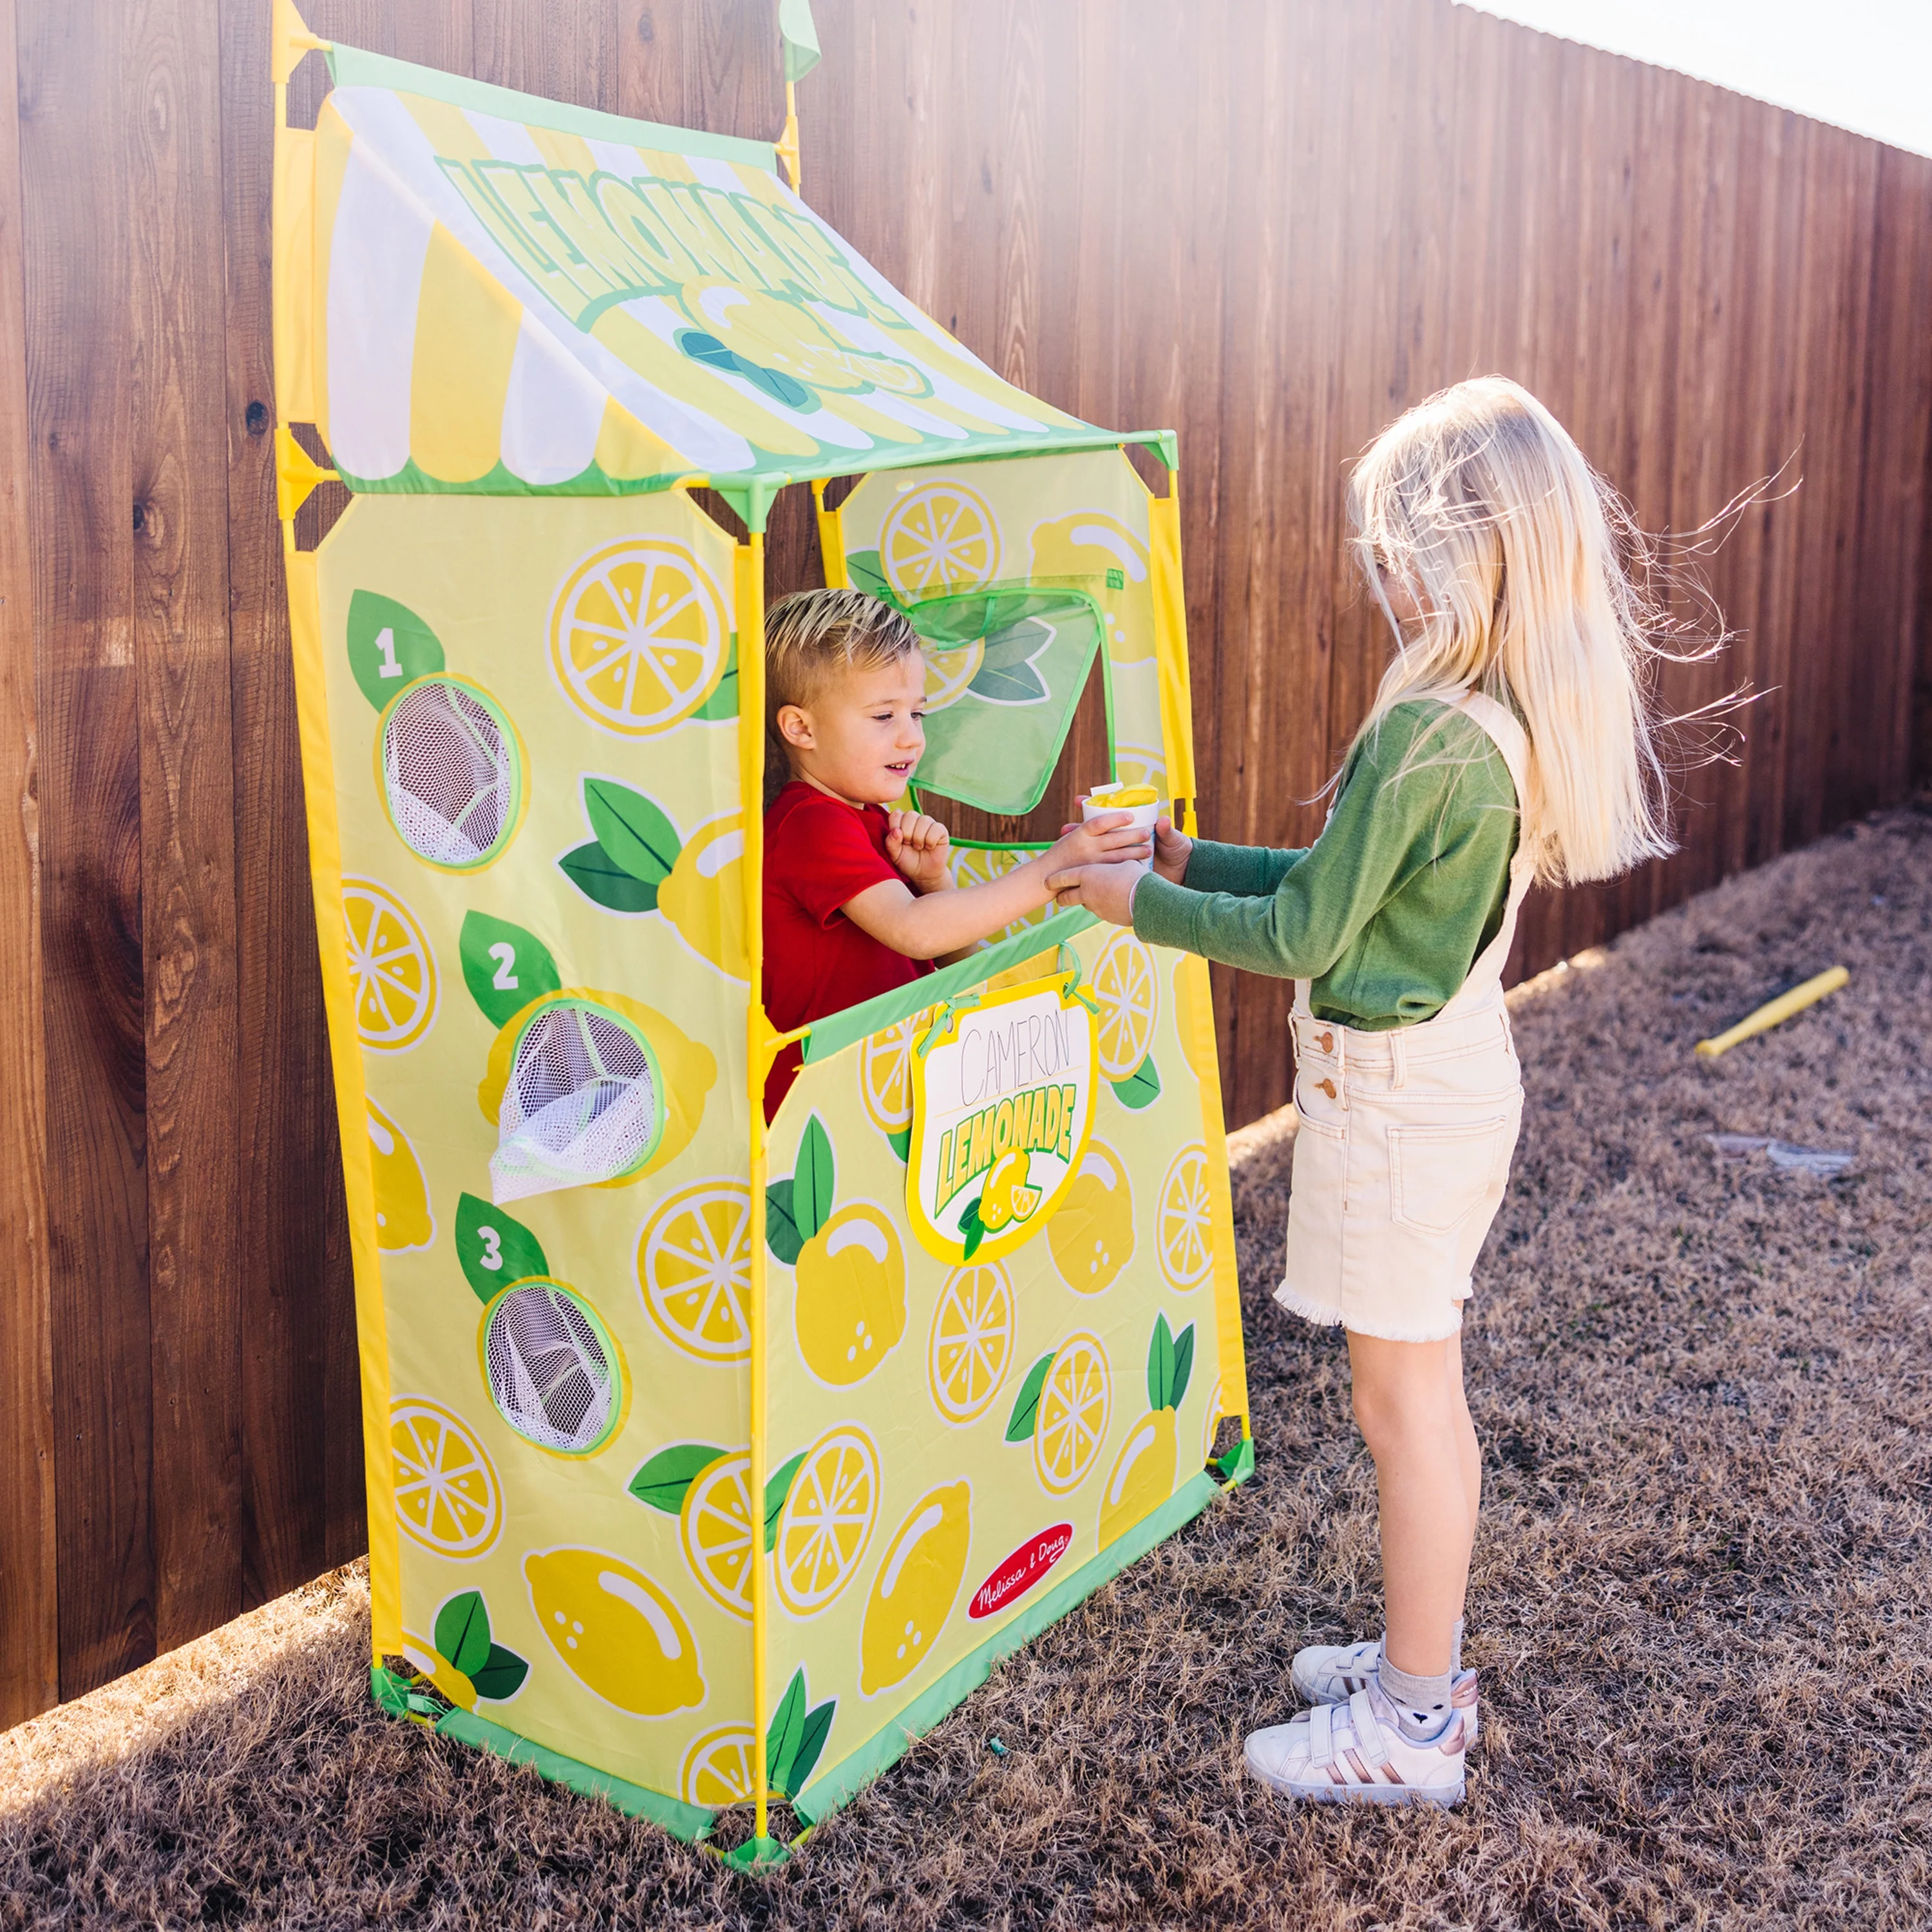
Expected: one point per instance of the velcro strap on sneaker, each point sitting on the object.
(1321, 1737)
(1368, 1731)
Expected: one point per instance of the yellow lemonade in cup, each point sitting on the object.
(1142, 803)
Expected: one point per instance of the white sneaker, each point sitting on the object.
(1356, 1751)
(1331, 1673)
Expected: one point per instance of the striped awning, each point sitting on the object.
(511, 296)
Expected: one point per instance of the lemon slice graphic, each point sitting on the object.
(447, 1498)
(1071, 1422)
(1183, 1220)
(939, 539)
(827, 1520)
(694, 1270)
(718, 1767)
(970, 1347)
(391, 969)
(638, 635)
(715, 1528)
(1129, 996)
(885, 1073)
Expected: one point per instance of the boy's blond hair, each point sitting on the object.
(813, 637)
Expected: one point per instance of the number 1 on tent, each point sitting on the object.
(386, 648)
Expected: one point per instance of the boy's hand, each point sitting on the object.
(1172, 851)
(1104, 840)
(920, 847)
(1106, 891)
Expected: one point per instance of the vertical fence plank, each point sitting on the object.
(75, 228)
(29, 1630)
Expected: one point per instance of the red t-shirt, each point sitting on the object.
(820, 853)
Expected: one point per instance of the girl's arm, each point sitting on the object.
(1245, 871)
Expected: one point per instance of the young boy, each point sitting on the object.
(858, 900)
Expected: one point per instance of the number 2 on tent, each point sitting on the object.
(505, 957)
(386, 648)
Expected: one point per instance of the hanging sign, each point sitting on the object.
(1003, 1102)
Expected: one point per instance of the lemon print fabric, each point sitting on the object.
(1091, 1236)
(718, 1768)
(1063, 1410)
(616, 1631)
(403, 1220)
(1143, 1475)
(636, 863)
(463, 1659)
(391, 967)
(1096, 547)
(827, 1502)
(694, 1269)
(975, 1327)
(448, 1496)
(1128, 990)
(638, 636)
(938, 539)
(848, 1266)
(917, 1585)
(709, 1491)
(1184, 1220)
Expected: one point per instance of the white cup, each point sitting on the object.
(1143, 816)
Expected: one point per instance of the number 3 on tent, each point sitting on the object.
(505, 957)
(493, 1248)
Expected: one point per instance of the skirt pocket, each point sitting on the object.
(1440, 1175)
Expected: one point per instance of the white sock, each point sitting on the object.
(1421, 1703)
(1456, 1650)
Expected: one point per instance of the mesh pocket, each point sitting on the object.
(582, 1104)
(449, 769)
(550, 1368)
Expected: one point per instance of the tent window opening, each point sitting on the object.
(452, 773)
(551, 1368)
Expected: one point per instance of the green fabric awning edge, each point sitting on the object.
(355, 66)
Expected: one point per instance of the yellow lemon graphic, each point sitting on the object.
(638, 636)
(403, 1217)
(1005, 1197)
(688, 1070)
(850, 1308)
(719, 1767)
(694, 1269)
(971, 1347)
(949, 672)
(1141, 765)
(1070, 1423)
(1091, 543)
(704, 895)
(974, 865)
(1092, 1233)
(1183, 1220)
(885, 1072)
(919, 1579)
(447, 1498)
(1142, 1476)
(1130, 996)
(440, 1671)
(391, 969)
(939, 539)
(1191, 1008)
(616, 1632)
(827, 1519)
(715, 1528)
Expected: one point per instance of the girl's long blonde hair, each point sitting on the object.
(1528, 574)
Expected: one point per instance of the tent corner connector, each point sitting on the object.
(290, 39)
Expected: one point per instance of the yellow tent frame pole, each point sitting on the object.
(786, 143)
(759, 1048)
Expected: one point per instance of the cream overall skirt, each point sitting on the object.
(1404, 1146)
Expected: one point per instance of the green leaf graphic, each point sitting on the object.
(1141, 1088)
(812, 1740)
(863, 572)
(901, 1143)
(811, 1179)
(1183, 1367)
(660, 1482)
(781, 1225)
(505, 966)
(776, 1489)
(389, 646)
(494, 1249)
(634, 830)
(1160, 1364)
(722, 705)
(501, 1675)
(463, 1632)
(972, 1229)
(1021, 685)
(604, 882)
(1026, 1404)
(786, 1732)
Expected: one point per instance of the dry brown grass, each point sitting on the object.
(1701, 1603)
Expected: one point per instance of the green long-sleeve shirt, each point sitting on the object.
(1387, 911)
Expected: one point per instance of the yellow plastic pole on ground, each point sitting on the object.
(1774, 1012)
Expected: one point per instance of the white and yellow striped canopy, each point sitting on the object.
(505, 295)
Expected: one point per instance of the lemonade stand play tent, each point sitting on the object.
(708, 1463)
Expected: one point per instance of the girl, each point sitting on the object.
(1508, 742)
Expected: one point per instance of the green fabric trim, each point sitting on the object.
(355, 66)
(825, 1793)
(800, 36)
(757, 1854)
(838, 1031)
(1238, 1464)
(690, 1822)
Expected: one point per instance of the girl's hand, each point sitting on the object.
(1172, 851)
(920, 847)
(1106, 891)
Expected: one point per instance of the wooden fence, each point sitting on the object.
(1270, 225)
